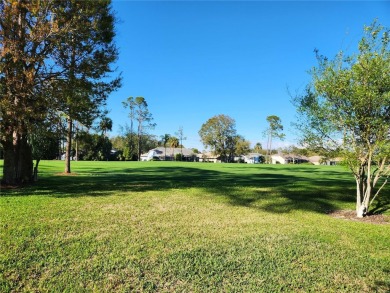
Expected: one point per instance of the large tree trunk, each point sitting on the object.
(18, 164)
(68, 146)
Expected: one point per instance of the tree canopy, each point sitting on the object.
(220, 134)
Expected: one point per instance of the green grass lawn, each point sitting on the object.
(189, 227)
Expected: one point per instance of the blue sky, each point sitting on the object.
(192, 60)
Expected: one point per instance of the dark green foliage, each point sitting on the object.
(94, 147)
(125, 153)
(218, 134)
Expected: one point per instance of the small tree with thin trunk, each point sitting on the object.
(274, 130)
(139, 111)
(130, 103)
(181, 137)
(345, 111)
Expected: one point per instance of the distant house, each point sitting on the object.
(209, 157)
(288, 159)
(254, 158)
(320, 160)
(333, 161)
(168, 154)
(316, 160)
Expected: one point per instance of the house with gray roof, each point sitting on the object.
(288, 159)
(168, 154)
(254, 158)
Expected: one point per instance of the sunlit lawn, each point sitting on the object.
(189, 227)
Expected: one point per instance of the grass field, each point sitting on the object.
(189, 227)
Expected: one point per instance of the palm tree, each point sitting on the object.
(164, 139)
(258, 148)
(173, 142)
(105, 125)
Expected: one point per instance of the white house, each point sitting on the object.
(208, 157)
(320, 160)
(168, 154)
(253, 158)
(279, 159)
(316, 160)
(288, 159)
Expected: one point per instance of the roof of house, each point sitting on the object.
(290, 156)
(160, 151)
(251, 155)
(208, 155)
(314, 159)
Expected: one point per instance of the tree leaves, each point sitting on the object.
(346, 109)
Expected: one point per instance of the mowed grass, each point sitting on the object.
(189, 227)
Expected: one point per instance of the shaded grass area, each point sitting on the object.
(308, 188)
(179, 227)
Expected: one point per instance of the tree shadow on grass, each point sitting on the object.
(381, 204)
(278, 190)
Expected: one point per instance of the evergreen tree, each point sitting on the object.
(84, 55)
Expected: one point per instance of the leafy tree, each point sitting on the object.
(121, 145)
(218, 133)
(274, 130)
(118, 144)
(346, 111)
(148, 142)
(94, 147)
(179, 157)
(242, 146)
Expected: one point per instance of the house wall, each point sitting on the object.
(279, 159)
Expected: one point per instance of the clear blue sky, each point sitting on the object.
(192, 60)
